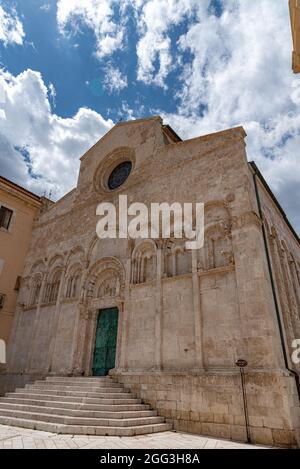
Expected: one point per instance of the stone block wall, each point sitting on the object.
(10, 381)
(211, 403)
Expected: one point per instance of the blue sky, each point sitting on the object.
(68, 62)
(70, 69)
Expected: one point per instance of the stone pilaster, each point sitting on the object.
(36, 322)
(124, 318)
(197, 312)
(56, 318)
(159, 307)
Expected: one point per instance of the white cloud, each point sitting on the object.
(96, 15)
(50, 145)
(155, 19)
(11, 28)
(114, 80)
(52, 93)
(46, 7)
(233, 68)
(240, 74)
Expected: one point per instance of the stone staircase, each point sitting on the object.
(88, 406)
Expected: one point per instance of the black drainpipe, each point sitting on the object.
(285, 353)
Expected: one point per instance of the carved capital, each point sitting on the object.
(85, 314)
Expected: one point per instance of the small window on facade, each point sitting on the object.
(5, 217)
(2, 299)
(119, 175)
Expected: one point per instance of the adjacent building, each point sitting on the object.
(18, 209)
(168, 322)
(295, 23)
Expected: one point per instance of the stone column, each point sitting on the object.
(91, 323)
(197, 312)
(78, 355)
(79, 328)
(122, 364)
(56, 320)
(36, 322)
(174, 255)
(158, 307)
(139, 268)
(72, 365)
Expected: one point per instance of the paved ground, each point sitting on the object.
(15, 438)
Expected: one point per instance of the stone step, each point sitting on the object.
(75, 405)
(127, 414)
(54, 387)
(80, 379)
(91, 406)
(85, 430)
(56, 392)
(88, 400)
(81, 421)
(102, 384)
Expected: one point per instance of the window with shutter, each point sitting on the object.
(5, 217)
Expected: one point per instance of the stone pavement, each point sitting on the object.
(16, 438)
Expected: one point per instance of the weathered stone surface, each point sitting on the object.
(184, 317)
(41, 406)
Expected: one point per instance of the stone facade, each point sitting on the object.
(185, 316)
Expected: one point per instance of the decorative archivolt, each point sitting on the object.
(217, 213)
(74, 271)
(38, 267)
(107, 285)
(287, 282)
(35, 288)
(72, 264)
(91, 246)
(75, 255)
(57, 259)
(105, 278)
(177, 259)
(52, 284)
(32, 284)
(73, 280)
(218, 249)
(291, 281)
(144, 262)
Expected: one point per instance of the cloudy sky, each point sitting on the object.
(70, 69)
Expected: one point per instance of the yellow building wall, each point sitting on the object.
(295, 22)
(14, 244)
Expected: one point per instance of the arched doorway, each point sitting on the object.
(105, 341)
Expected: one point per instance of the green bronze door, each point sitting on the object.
(106, 341)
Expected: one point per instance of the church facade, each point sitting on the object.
(168, 322)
